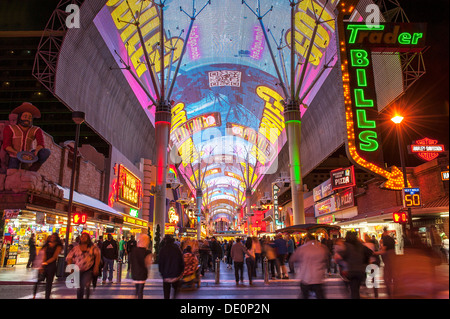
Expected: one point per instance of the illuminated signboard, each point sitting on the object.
(135, 221)
(323, 190)
(411, 198)
(427, 149)
(343, 177)
(444, 176)
(173, 216)
(357, 42)
(276, 213)
(337, 202)
(328, 219)
(129, 188)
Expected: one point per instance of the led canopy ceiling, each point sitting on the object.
(227, 102)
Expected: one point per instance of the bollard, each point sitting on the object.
(266, 271)
(217, 270)
(119, 271)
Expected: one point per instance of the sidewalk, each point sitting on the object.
(20, 275)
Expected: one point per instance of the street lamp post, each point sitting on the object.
(398, 120)
(78, 118)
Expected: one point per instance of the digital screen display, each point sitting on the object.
(227, 103)
(411, 197)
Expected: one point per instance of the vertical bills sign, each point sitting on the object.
(358, 42)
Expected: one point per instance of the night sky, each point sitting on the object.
(425, 105)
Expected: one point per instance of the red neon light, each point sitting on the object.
(427, 149)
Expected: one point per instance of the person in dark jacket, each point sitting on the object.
(356, 257)
(141, 259)
(32, 245)
(171, 266)
(282, 250)
(216, 251)
(109, 254)
(131, 244)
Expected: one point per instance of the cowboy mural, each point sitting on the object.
(18, 139)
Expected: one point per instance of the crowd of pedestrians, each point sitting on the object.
(410, 275)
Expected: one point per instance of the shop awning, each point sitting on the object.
(439, 202)
(88, 201)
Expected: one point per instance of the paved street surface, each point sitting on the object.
(17, 283)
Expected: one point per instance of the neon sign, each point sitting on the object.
(343, 177)
(173, 216)
(357, 43)
(427, 149)
(129, 190)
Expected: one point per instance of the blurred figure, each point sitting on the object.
(229, 258)
(86, 256)
(131, 244)
(311, 258)
(171, 266)
(356, 256)
(291, 249)
(205, 253)
(374, 259)
(47, 270)
(32, 247)
(445, 246)
(281, 249)
(190, 273)
(414, 271)
(387, 253)
(216, 251)
(258, 251)
(250, 259)
(122, 247)
(271, 256)
(141, 259)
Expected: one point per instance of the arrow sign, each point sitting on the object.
(363, 142)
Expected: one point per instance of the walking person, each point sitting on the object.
(122, 249)
(237, 254)
(258, 251)
(311, 260)
(205, 253)
(216, 251)
(388, 255)
(171, 266)
(142, 259)
(32, 247)
(86, 256)
(281, 249)
(356, 256)
(50, 252)
(373, 260)
(250, 259)
(109, 254)
(229, 258)
(445, 246)
(290, 250)
(131, 244)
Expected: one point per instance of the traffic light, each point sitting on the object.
(400, 217)
(79, 218)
